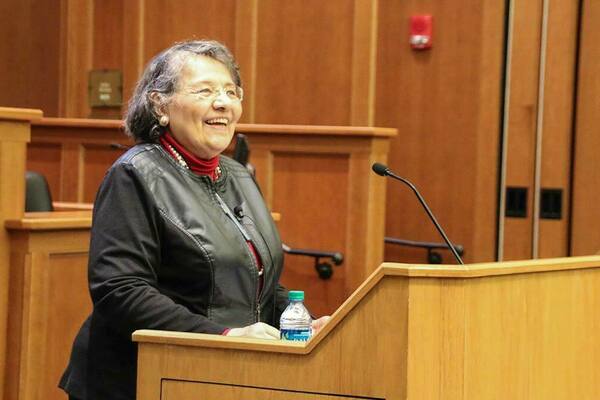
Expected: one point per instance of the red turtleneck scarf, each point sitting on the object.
(197, 165)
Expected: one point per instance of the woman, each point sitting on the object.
(181, 238)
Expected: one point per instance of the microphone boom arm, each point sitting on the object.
(383, 170)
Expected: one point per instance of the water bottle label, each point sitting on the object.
(301, 335)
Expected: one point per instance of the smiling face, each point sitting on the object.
(204, 126)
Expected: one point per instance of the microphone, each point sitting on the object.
(238, 211)
(383, 170)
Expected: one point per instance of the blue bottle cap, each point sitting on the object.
(296, 295)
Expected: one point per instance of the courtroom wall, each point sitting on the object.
(490, 106)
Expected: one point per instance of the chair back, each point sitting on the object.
(37, 193)
(241, 151)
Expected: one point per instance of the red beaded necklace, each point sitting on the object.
(189, 161)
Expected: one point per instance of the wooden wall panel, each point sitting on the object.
(108, 43)
(522, 122)
(586, 175)
(96, 158)
(304, 58)
(364, 62)
(445, 104)
(167, 22)
(487, 154)
(82, 151)
(133, 45)
(30, 53)
(557, 139)
(246, 31)
(76, 34)
(328, 199)
(311, 193)
(108, 34)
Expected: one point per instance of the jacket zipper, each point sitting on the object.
(247, 238)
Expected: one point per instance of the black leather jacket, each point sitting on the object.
(168, 251)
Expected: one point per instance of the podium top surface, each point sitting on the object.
(410, 271)
(490, 268)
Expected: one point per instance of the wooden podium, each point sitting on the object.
(513, 330)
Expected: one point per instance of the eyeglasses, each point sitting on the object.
(208, 92)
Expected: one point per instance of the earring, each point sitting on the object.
(163, 120)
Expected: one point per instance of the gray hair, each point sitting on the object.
(161, 76)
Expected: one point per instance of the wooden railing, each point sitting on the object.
(317, 177)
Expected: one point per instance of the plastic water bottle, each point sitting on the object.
(295, 323)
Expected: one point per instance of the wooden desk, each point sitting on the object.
(318, 177)
(14, 135)
(514, 330)
(49, 299)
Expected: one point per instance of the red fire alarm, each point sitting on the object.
(421, 32)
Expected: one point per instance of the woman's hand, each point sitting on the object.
(319, 323)
(259, 330)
